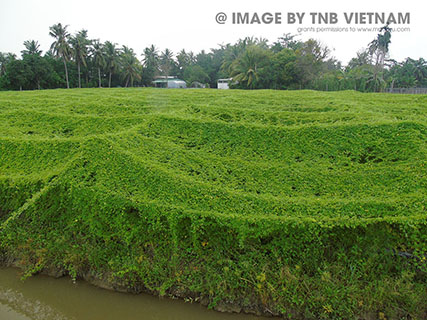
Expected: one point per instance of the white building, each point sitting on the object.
(224, 83)
(169, 82)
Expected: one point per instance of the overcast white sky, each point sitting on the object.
(191, 24)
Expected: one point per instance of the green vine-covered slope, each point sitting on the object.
(301, 203)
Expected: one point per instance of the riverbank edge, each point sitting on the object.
(7, 261)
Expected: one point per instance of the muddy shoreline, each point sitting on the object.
(105, 283)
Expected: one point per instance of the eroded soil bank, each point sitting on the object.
(44, 297)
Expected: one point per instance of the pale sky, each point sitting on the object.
(191, 24)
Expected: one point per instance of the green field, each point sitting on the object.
(301, 203)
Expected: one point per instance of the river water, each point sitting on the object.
(45, 298)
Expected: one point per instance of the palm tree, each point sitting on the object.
(151, 57)
(5, 59)
(232, 52)
(420, 71)
(111, 59)
(60, 46)
(31, 47)
(376, 78)
(379, 46)
(150, 64)
(192, 57)
(166, 63)
(183, 59)
(79, 44)
(2, 64)
(130, 65)
(98, 58)
(247, 67)
(361, 59)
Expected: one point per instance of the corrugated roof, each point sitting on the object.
(168, 80)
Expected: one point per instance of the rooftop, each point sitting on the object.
(167, 80)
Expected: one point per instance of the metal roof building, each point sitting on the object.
(170, 82)
(224, 83)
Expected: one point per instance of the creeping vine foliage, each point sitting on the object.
(306, 204)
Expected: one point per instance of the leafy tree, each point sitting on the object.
(57, 78)
(285, 73)
(60, 47)
(288, 63)
(195, 73)
(17, 73)
(287, 41)
(40, 73)
(32, 72)
(310, 58)
(215, 71)
(212, 65)
(410, 73)
(5, 59)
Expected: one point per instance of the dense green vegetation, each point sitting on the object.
(300, 203)
(253, 63)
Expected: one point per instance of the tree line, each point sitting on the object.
(75, 61)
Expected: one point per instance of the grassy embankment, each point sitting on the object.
(305, 204)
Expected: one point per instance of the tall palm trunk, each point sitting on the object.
(127, 81)
(66, 72)
(99, 77)
(109, 80)
(78, 70)
(392, 85)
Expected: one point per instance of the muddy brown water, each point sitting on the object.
(42, 297)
